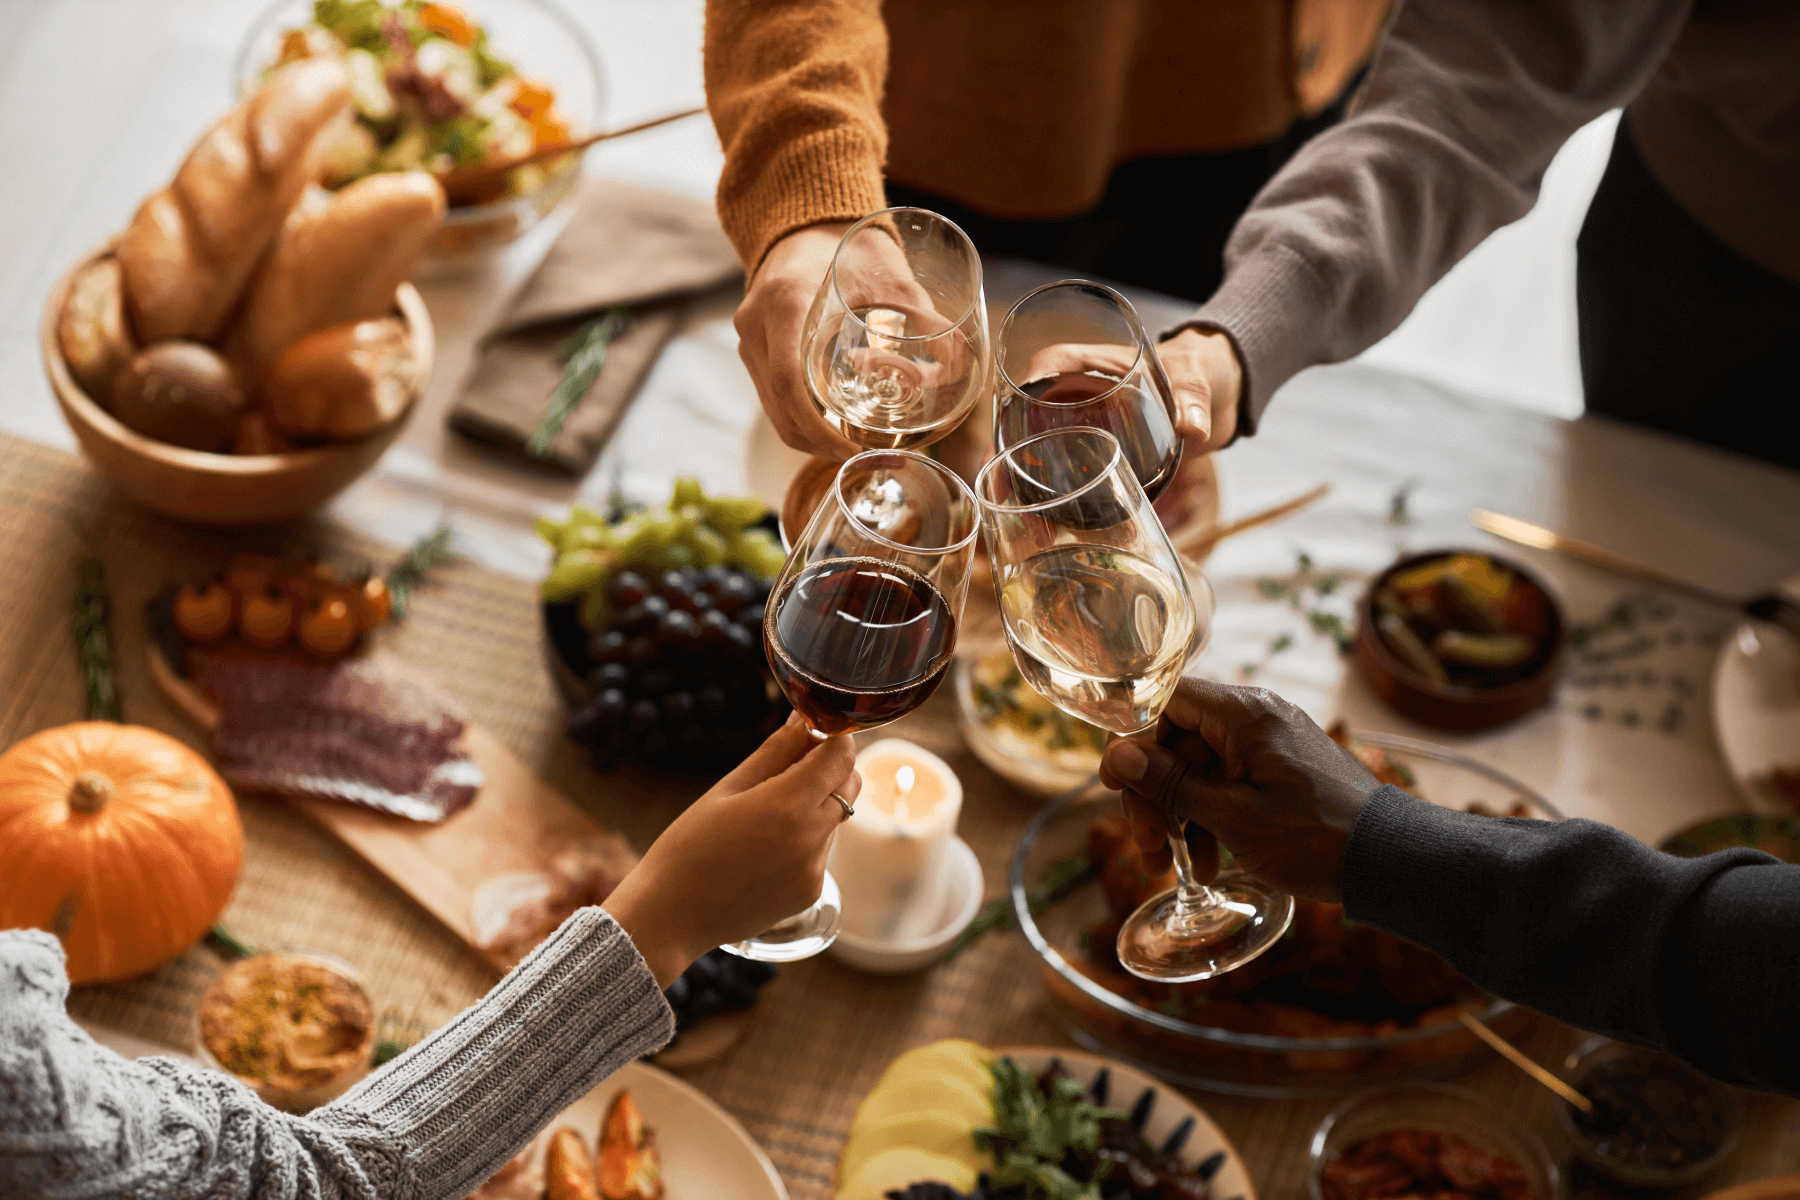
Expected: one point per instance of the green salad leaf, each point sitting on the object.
(356, 23)
(1034, 1131)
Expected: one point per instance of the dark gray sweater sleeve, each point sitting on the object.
(76, 1119)
(1696, 956)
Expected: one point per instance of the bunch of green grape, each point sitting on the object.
(692, 530)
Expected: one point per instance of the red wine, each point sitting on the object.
(1131, 412)
(857, 642)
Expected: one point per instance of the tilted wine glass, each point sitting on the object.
(1101, 620)
(861, 622)
(1074, 353)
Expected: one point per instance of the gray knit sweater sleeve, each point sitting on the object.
(77, 1120)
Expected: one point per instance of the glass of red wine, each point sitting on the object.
(1073, 353)
(861, 623)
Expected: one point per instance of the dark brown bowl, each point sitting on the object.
(1443, 706)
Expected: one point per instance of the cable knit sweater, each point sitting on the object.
(77, 1120)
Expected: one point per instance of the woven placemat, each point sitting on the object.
(822, 1032)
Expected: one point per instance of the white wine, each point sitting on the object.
(1102, 633)
(876, 382)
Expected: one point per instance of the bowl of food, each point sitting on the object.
(1776, 836)
(1021, 736)
(1459, 639)
(653, 630)
(1656, 1121)
(1334, 1005)
(171, 425)
(1427, 1139)
(439, 86)
(295, 1026)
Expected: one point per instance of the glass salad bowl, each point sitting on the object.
(545, 44)
(1268, 1041)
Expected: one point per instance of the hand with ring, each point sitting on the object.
(744, 856)
(1249, 769)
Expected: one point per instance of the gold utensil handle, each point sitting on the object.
(1518, 1059)
(1538, 537)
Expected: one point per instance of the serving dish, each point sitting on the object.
(543, 41)
(1444, 704)
(1440, 1109)
(961, 900)
(356, 1058)
(219, 489)
(1165, 1112)
(1707, 1108)
(1218, 1059)
(1756, 708)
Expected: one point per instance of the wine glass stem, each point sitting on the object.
(1193, 899)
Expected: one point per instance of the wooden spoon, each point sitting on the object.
(467, 185)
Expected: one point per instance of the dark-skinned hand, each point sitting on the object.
(1248, 769)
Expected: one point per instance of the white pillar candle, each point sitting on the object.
(889, 857)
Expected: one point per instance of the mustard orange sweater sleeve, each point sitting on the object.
(794, 88)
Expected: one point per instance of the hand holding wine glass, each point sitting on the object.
(1098, 611)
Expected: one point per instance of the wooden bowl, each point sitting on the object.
(219, 489)
(1442, 706)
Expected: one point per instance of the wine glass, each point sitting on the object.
(1101, 620)
(1074, 353)
(896, 343)
(861, 622)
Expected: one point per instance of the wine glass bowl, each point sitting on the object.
(1101, 620)
(896, 343)
(1074, 353)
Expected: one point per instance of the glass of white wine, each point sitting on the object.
(1101, 620)
(896, 344)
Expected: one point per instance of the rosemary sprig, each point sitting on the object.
(587, 354)
(228, 943)
(92, 616)
(1060, 880)
(388, 1049)
(429, 551)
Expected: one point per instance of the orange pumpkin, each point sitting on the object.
(118, 839)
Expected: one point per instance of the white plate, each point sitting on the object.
(1756, 707)
(706, 1154)
(1169, 1109)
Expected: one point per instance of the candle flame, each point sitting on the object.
(905, 778)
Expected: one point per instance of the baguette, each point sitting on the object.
(339, 262)
(92, 332)
(192, 246)
(344, 381)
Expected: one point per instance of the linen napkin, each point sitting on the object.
(626, 245)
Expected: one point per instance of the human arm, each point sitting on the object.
(794, 90)
(1467, 102)
(1694, 956)
(76, 1119)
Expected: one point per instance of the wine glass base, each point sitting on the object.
(800, 936)
(1246, 921)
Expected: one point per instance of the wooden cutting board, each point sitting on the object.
(515, 823)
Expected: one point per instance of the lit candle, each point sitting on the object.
(889, 857)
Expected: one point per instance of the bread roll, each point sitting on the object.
(181, 393)
(340, 262)
(345, 381)
(92, 331)
(192, 246)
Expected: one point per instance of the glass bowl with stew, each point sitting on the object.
(1656, 1122)
(1334, 1006)
(1427, 1139)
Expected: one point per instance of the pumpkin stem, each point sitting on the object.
(90, 792)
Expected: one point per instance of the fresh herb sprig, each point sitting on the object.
(1062, 878)
(228, 943)
(1305, 591)
(1035, 1129)
(403, 577)
(586, 355)
(92, 620)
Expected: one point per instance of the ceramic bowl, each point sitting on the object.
(1447, 706)
(961, 901)
(219, 489)
(1710, 1102)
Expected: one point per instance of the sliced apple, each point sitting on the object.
(924, 1093)
(901, 1167)
(954, 1056)
(934, 1131)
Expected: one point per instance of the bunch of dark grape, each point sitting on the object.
(678, 677)
(717, 982)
